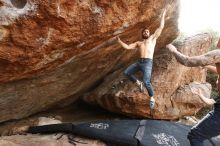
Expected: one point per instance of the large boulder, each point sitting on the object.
(40, 35)
(172, 84)
(51, 52)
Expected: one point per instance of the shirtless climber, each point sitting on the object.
(144, 64)
(209, 126)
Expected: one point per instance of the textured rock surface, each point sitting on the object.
(40, 35)
(53, 51)
(47, 140)
(171, 81)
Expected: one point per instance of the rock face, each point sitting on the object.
(51, 52)
(40, 35)
(172, 83)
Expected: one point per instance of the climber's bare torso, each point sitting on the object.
(146, 47)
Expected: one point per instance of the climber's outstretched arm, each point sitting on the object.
(212, 57)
